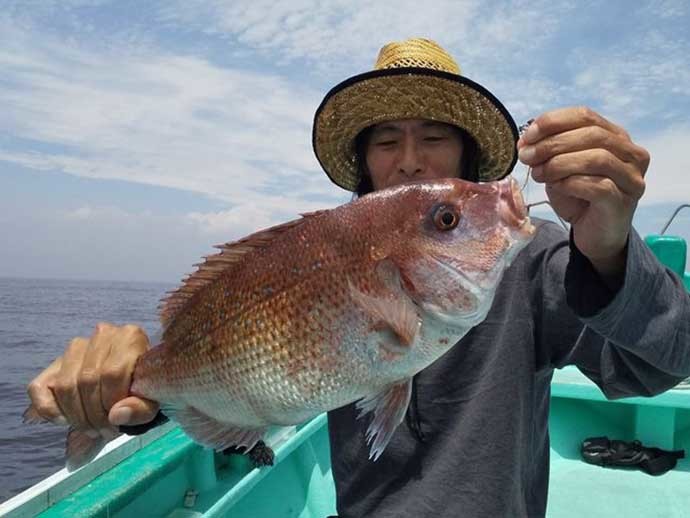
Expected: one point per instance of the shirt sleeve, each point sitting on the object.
(633, 341)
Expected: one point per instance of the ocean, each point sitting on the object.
(38, 318)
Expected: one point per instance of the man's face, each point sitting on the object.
(413, 149)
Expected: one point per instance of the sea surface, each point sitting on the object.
(38, 318)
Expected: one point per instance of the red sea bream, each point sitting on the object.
(339, 306)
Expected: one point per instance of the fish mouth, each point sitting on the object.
(526, 230)
(482, 286)
(512, 209)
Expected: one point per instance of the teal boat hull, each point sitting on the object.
(173, 476)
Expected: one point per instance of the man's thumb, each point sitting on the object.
(133, 411)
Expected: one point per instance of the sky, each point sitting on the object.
(136, 135)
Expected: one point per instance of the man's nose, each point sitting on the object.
(411, 161)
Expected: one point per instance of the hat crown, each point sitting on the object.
(416, 52)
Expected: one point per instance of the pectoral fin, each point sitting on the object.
(81, 448)
(392, 306)
(210, 432)
(388, 407)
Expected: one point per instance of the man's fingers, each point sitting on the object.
(89, 378)
(592, 189)
(116, 374)
(42, 398)
(82, 386)
(592, 163)
(580, 139)
(65, 385)
(133, 411)
(132, 338)
(566, 119)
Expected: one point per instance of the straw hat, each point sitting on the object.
(412, 79)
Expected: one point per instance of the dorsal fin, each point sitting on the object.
(216, 265)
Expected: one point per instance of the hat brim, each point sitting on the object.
(411, 93)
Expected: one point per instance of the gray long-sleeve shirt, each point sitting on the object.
(476, 438)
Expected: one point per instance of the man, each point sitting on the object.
(475, 439)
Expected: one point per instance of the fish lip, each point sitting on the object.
(526, 228)
(513, 210)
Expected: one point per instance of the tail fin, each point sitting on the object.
(81, 449)
(31, 416)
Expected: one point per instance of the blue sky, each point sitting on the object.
(135, 135)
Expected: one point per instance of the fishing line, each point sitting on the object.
(521, 131)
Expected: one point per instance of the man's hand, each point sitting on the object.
(594, 177)
(88, 387)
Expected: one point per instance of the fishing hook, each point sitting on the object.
(547, 202)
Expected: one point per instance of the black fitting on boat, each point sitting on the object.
(604, 452)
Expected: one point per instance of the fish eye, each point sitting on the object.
(446, 218)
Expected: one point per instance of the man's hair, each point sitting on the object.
(468, 163)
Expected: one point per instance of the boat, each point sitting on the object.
(164, 473)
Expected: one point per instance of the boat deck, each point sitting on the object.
(579, 410)
(580, 490)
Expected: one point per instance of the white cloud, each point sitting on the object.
(108, 213)
(529, 96)
(175, 121)
(325, 32)
(666, 9)
(646, 77)
(505, 46)
(99, 242)
(229, 221)
(80, 213)
(668, 178)
(341, 37)
(245, 219)
(110, 242)
(131, 111)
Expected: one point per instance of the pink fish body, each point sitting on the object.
(339, 306)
